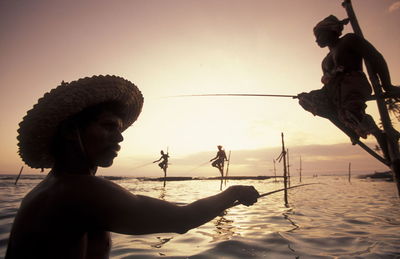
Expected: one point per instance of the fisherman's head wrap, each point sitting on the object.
(330, 23)
(38, 128)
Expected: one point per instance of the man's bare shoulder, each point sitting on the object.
(352, 38)
(71, 188)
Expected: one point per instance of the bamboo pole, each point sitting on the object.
(288, 166)
(274, 169)
(370, 98)
(227, 166)
(20, 171)
(300, 169)
(392, 142)
(284, 171)
(349, 172)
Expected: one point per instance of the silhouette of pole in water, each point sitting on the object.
(288, 166)
(283, 156)
(349, 172)
(300, 169)
(391, 138)
(20, 171)
(274, 169)
(227, 166)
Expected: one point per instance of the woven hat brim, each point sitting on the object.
(37, 129)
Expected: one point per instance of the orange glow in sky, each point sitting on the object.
(174, 47)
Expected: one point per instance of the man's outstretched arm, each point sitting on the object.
(117, 210)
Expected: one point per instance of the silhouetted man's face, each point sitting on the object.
(324, 38)
(100, 139)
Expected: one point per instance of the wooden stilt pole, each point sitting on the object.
(392, 141)
(274, 169)
(288, 166)
(300, 169)
(357, 141)
(19, 175)
(285, 180)
(227, 166)
(349, 172)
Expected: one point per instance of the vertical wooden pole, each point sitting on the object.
(284, 171)
(227, 166)
(300, 169)
(392, 142)
(274, 169)
(20, 171)
(288, 166)
(349, 172)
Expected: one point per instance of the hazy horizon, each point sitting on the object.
(316, 159)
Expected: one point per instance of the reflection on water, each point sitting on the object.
(334, 220)
(161, 242)
(287, 214)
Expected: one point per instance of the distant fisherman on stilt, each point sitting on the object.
(164, 163)
(220, 159)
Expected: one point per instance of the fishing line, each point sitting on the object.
(280, 190)
(142, 165)
(197, 167)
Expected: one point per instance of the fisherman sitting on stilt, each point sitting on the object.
(345, 86)
(220, 159)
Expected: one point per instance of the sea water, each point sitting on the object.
(333, 219)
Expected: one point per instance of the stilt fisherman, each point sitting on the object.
(219, 160)
(164, 163)
(345, 86)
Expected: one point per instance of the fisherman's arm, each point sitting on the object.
(155, 161)
(376, 61)
(118, 210)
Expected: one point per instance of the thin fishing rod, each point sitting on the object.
(280, 190)
(251, 95)
(370, 98)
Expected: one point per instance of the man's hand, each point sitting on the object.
(246, 195)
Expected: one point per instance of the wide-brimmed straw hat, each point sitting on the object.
(38, 128)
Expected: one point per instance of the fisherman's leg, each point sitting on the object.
(320, 105)
(215, 163)
(221, 170)
(368, 124)
(354, 138)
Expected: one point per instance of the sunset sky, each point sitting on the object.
(174, 47)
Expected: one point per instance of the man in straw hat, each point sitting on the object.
(74, 129)
(345, 86)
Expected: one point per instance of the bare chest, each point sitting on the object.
(342, 58)
(96, 245)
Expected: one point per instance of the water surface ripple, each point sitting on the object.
(336, 219)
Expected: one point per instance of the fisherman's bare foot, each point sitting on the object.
(392, 89)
